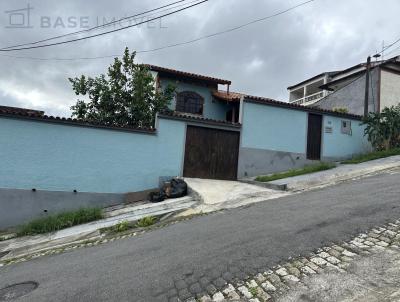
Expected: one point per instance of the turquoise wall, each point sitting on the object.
(273, 128)
(339, 145)
(212, 109)
(280, 129)
(50, 156)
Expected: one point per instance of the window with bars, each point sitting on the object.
(189, 102)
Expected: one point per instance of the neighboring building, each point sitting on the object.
(346, 88)
(197, 95)
(308, 92)
(52, 164)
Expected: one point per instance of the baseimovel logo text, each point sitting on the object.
(26, 17)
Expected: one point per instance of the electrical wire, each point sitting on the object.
(103, 33)
(387, 47)
(392, 51)
(96, 27)
(170, 45)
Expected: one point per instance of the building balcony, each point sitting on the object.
(309, 99)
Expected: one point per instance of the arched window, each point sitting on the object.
(189, 102)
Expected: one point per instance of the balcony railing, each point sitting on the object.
(309, 99)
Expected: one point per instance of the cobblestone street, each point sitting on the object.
(366, 268)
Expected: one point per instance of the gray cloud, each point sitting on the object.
(262, 59)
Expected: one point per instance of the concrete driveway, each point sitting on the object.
(224, 194)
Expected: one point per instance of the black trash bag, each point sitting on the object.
(178, 188)
(157, 196)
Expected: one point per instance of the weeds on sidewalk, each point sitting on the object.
(371, 156)
(60, 221)
(121, 226)
(291, 173)
(146, 221)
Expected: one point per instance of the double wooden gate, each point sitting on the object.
(211, 153)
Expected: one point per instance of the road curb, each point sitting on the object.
(268, 185)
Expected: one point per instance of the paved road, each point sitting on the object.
(200, 254)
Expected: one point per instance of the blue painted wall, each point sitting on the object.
(273, 128)
(280, 129)
(340, 145)
(212, 109)
(58, 157)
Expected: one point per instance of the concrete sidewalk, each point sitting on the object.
(339, 174)
(18, 247)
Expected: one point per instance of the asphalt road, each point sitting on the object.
(201, 253)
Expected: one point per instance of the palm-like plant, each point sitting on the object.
(383, 128)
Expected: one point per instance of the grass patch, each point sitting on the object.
(296, 172)
(146, 222)
(371, 156)
(60, 221)
(121, 226)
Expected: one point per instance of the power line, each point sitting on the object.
(174, 44)
(393, 51)
(388, 46)
(95, 27)
(103, 33)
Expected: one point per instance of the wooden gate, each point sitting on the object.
(314, 134)
(211, 153)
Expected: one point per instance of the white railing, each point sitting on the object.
(309, 99)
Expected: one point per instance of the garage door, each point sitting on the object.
(211, 153)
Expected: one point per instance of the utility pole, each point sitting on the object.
(367, 86)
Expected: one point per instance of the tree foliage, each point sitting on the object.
(383, 128)
(127, 96)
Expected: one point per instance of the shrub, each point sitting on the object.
(60, 221)
(121, 226)
(146, 221)
(383, 128)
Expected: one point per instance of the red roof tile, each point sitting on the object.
(17, 110)
(267, 101)
(183, 116)
(225, 96)
(36, 115)
(184, 74)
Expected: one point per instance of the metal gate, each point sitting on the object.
(211, 153)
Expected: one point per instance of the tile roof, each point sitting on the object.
(17, 110)
(188, 75)
(196, 118)
(225, 96)
(40, 116)
(267, 101)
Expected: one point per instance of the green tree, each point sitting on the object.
(383, 128)
(125, 97)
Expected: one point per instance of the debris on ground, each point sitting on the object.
(175, 188)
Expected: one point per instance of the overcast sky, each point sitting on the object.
(262, 59)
